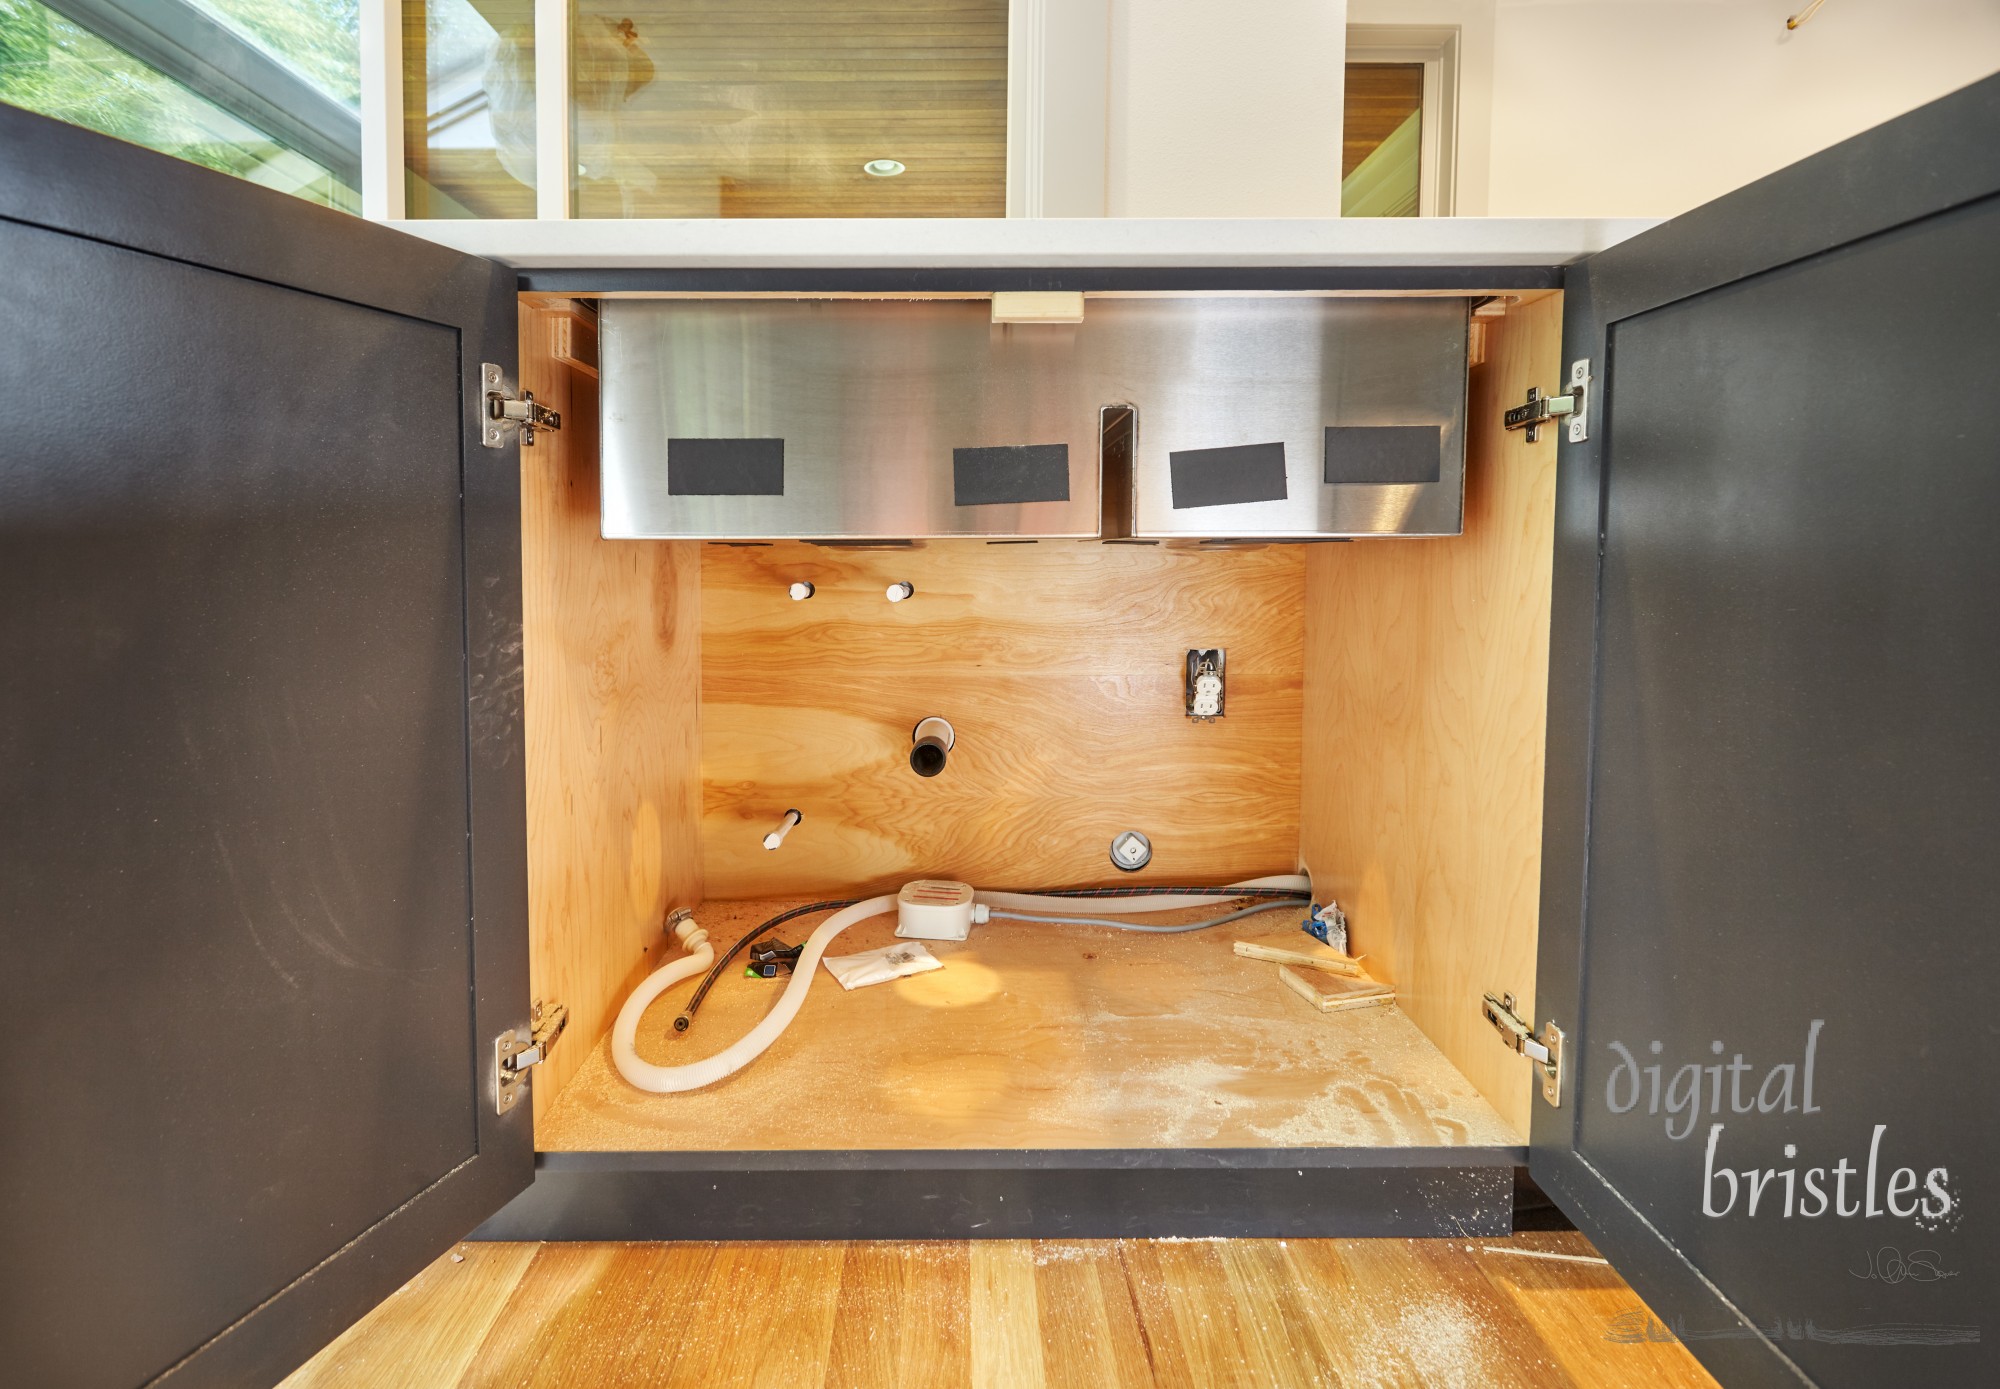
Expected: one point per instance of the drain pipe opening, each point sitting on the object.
(930, 741)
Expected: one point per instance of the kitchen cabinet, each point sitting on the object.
(337, 741)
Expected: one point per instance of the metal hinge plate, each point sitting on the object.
(1579, 391)
(519, 1049)
(1546, 1050)
(1546, 409)
(503, 410)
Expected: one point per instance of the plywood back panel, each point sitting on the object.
(612, 632)
(1060, 666)
(1425, 701)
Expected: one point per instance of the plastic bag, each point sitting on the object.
(880, 966)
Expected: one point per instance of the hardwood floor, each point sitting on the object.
(1200, 1313)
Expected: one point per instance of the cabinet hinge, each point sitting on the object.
(1546, 409)
(520, 1049)
(1546, 1050)
(504, 410)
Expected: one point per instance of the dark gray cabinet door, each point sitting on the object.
(262, 884)
(1771, 885)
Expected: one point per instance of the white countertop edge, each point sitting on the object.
(860, 243)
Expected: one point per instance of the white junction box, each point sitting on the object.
(934, 909)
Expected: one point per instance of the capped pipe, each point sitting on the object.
(929, 742)
(777, 836)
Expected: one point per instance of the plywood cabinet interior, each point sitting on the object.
(1384, 730)
(611, 659)
(1059, 665)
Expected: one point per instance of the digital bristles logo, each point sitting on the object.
(1797, 1188)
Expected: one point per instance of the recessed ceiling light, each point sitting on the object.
(883, 168)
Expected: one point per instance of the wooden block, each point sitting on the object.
(573, 342)
(1038, 306)
(1333, 995)
(1324, 957)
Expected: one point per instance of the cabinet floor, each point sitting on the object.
(1013, 1314)
(1035, 1036)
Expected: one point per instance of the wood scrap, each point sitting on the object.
(1322, 958)
(1335, 995)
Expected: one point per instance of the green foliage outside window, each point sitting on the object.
(55, 67)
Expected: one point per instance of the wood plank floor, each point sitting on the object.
(1011, 1314)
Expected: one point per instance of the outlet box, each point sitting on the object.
(934, 909)
(1205, 691)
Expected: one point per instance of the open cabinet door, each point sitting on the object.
(262, 884)
(1772, 835)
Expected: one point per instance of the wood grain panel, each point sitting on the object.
(1208, 1314)
(1379, 98)
(1032, 1036)
(1060, 667)
(769, 108)
(612, 636)
(1426, 701)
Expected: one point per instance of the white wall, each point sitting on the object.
(1645, 108)
(1650, 107)
(1225, 108)
(1569, 108)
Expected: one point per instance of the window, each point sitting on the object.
(263, 89)
(469, 108)
(1399, 122)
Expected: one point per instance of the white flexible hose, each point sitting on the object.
(1152, 902)
(663, 1080)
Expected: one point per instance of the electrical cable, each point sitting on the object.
(1279, 889)
(1123, 900)
(1202, 925)
(1217, 893)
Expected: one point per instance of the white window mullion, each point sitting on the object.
(553, 161)
(382, 110)
(1027, 131)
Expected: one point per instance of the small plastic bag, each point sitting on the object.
(880, 966)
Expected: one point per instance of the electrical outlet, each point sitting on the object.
(1205, 691)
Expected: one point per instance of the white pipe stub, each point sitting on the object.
(777, 836)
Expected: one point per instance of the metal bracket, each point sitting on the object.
(1547, 1050)
(519, 1049)
(503, 410)
(1546, 409)
(1579, 391)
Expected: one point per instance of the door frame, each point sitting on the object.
(1938, 157)
(75, 182)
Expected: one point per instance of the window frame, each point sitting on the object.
(1437, 48)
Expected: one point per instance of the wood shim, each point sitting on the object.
(1329, 961)
(1335, 995)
